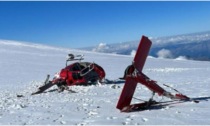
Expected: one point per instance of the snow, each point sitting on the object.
(24, 66)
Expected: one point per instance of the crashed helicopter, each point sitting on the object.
(77, 73)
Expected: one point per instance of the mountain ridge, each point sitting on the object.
(194, 46)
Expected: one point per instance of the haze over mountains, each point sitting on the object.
(195, 46)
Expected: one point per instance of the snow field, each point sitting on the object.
(23, 68)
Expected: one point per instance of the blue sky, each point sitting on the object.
(81, 24)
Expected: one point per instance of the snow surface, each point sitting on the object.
(24, 66)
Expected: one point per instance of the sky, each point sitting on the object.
(78, 24)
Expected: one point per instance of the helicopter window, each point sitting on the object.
(76, 67)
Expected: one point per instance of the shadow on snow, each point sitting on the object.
(165, 104)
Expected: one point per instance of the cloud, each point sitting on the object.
(101, 47)
(181, 58)
(164, 53)
(133, 53)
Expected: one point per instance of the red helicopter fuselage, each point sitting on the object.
(79, 73)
